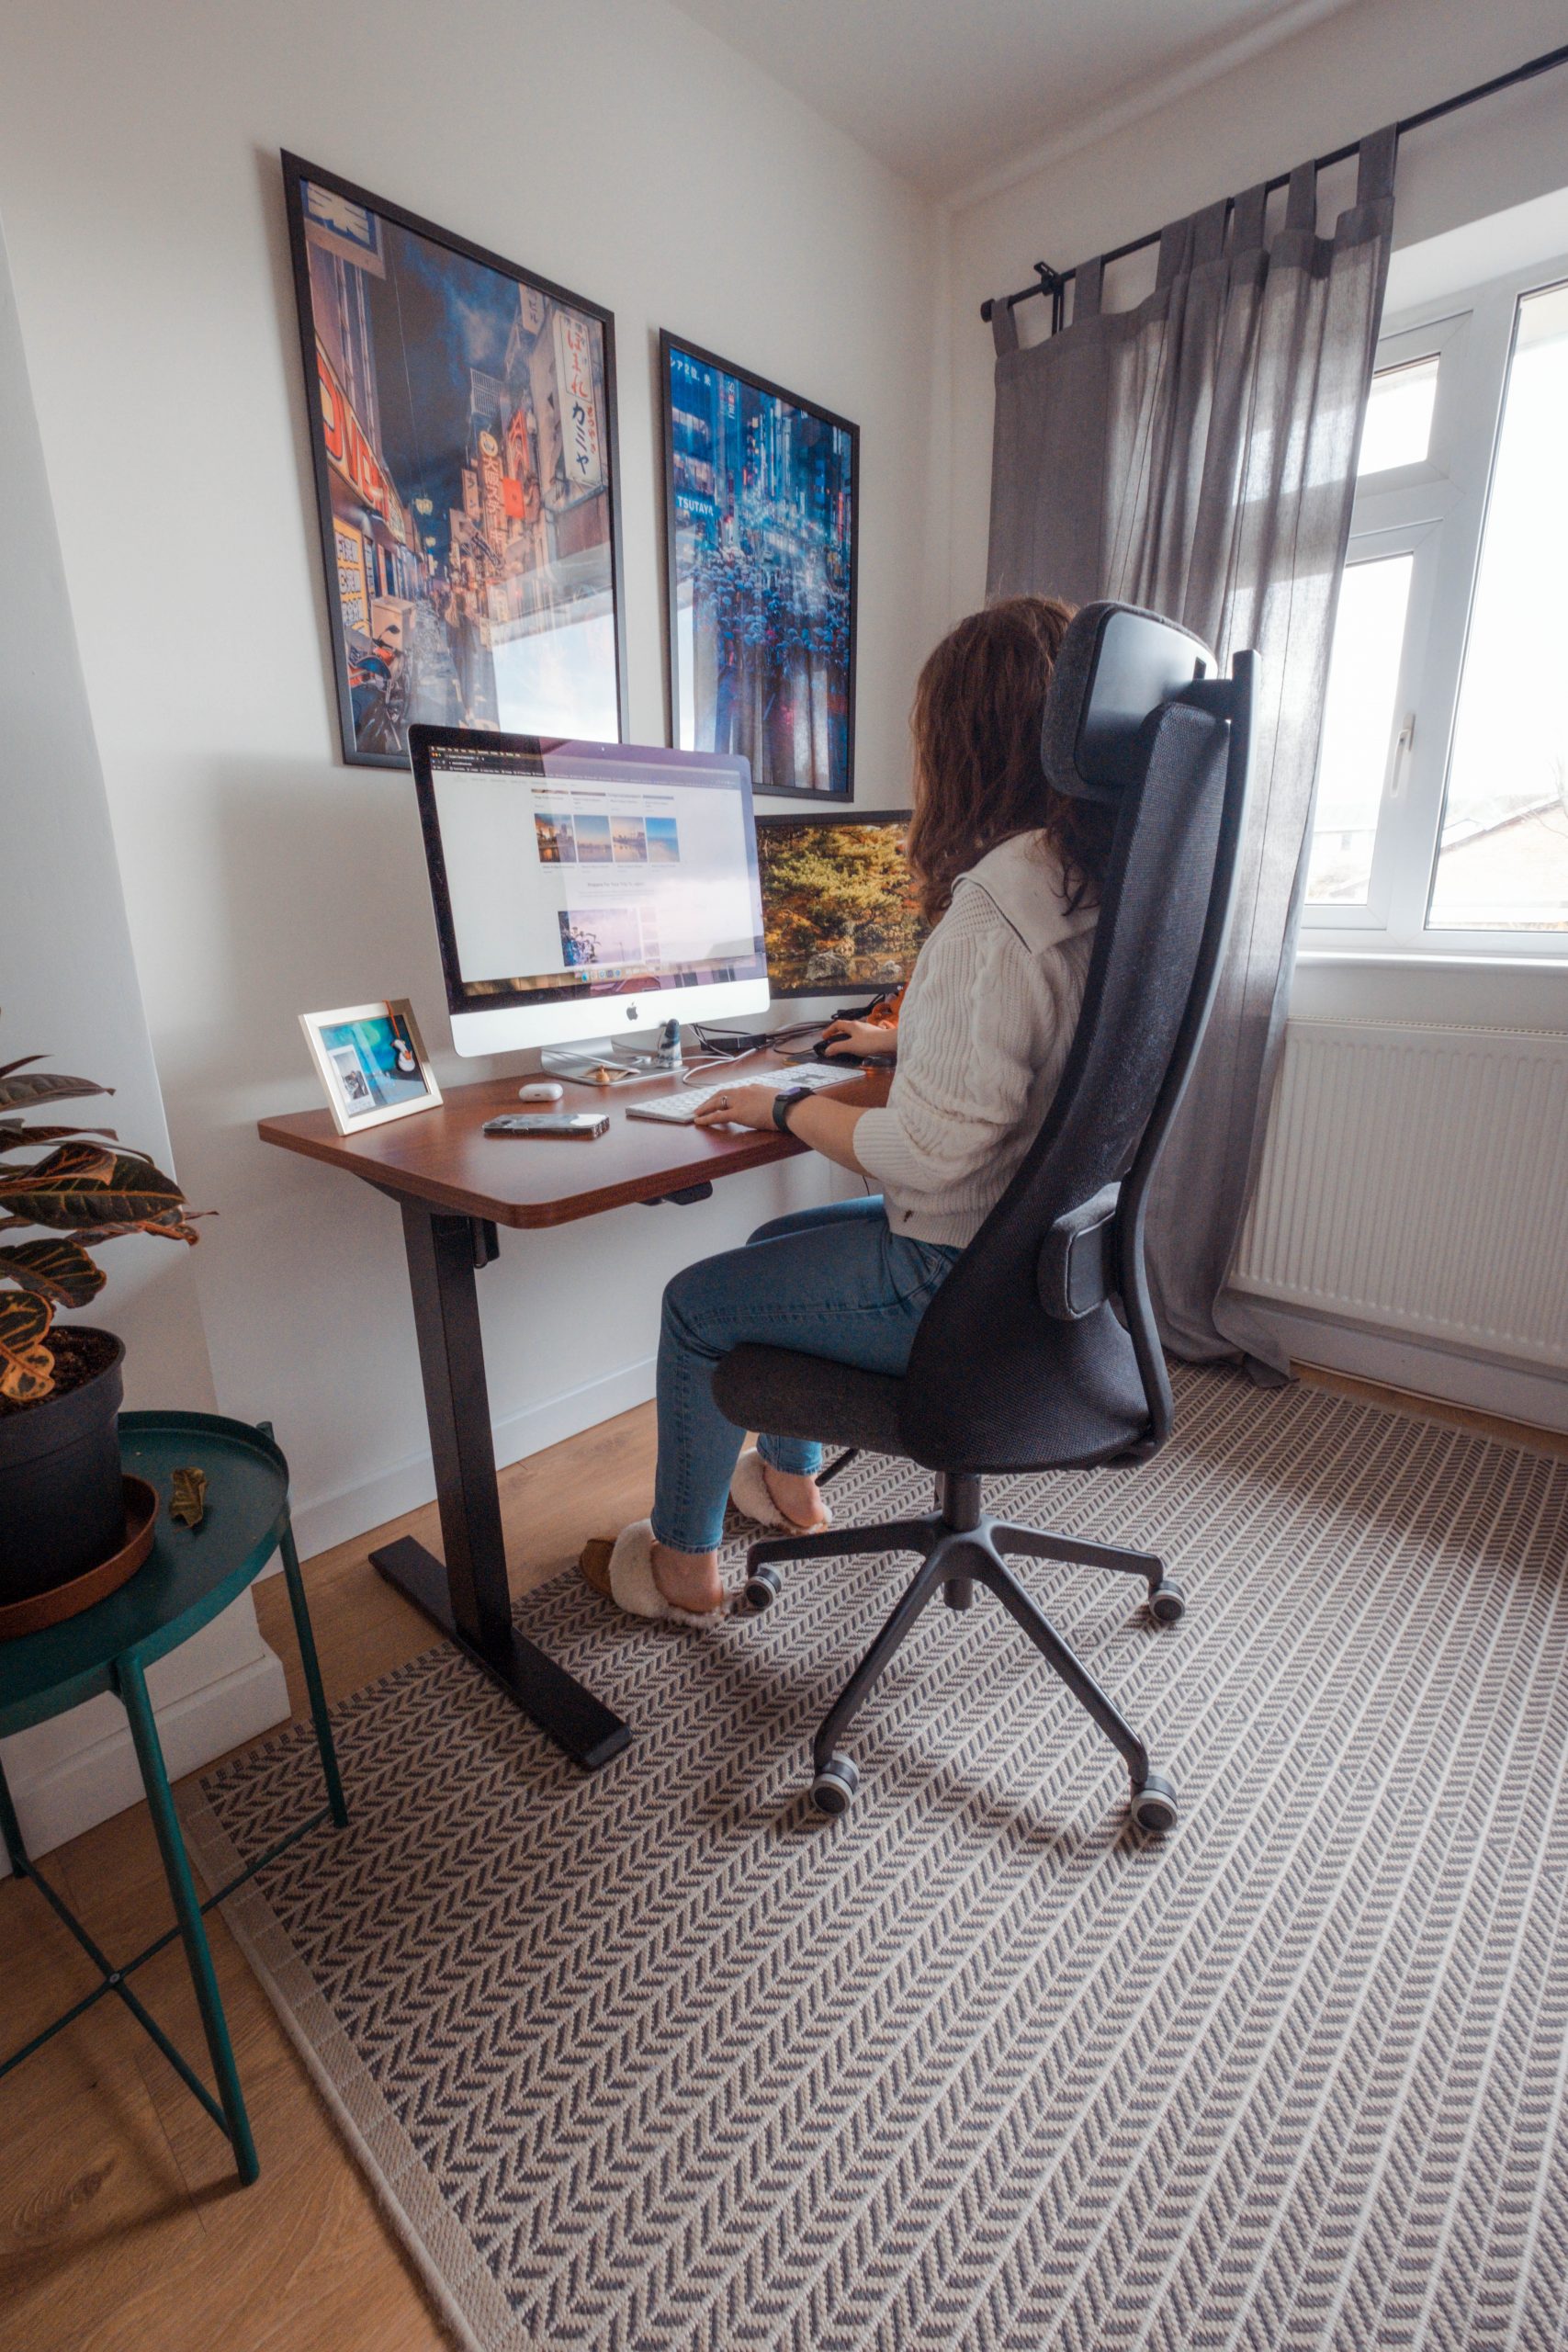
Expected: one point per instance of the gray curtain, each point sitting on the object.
(1197, 455)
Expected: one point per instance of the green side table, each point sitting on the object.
(190, 1576)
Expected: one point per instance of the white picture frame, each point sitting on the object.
(360, 1052)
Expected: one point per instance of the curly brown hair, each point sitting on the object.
(978, 781)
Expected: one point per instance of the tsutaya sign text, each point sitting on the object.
(582, 455)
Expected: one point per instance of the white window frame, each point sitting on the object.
(1436, 511)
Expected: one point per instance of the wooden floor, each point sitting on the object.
(121, 2223)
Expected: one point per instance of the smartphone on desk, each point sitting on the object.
(578, 1123)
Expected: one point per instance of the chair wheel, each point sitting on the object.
(762, 1587)
(1168, 1605)
(1154, 1806)
(835, 1785)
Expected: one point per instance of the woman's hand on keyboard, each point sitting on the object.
(738, 1106)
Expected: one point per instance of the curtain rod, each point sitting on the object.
(1054, 281)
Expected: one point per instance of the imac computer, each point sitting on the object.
(839, 907)
(587, 892)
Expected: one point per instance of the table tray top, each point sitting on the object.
(190, 1576)
(441, 1157)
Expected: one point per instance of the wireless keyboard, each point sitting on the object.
(681, 1109)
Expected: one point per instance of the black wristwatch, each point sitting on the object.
(784, 1101)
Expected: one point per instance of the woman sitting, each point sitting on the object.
(1010, 872)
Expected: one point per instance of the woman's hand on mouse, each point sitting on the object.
(857, 1037)
(738, 1106)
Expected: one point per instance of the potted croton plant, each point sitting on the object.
(62, 1507)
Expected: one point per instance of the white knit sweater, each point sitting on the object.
(982, 1036)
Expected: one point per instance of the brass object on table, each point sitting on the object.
(188, 1498)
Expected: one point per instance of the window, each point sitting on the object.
(1358, 727)
(1441, 821)
(1503, 858)
(1398, 430)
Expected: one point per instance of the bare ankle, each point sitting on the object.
(688, 1579)
(795, 1491)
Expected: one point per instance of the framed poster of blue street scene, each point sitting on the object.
(761, 491)
(462, 420)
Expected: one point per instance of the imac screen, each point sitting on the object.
(561, 870)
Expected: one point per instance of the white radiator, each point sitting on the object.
(1415, 1177)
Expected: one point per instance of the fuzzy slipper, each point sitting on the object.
(623, 1570)
(749, 1492)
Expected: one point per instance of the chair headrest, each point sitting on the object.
(1117, 664)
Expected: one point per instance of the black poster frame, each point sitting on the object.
(295, 172)
(669, 342)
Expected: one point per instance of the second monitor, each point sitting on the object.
(839, 905)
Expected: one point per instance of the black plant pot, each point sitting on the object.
(62, 1500)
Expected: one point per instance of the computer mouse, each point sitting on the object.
(540, 1089)
(850, 1061)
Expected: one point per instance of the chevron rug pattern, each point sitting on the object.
(662, 2060)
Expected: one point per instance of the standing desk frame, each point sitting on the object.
(455, 1187)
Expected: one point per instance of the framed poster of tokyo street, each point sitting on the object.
(761, 495)
(462, 421)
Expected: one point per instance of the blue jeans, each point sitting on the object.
(830, 1282)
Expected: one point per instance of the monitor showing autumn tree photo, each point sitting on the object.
(839, 907)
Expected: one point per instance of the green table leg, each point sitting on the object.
(306, 1637)
(11, 1829)
(132, 1687)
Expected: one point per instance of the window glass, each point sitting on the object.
(1503, 859)
(1358, 727)
(1398, 430)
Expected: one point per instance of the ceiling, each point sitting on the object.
(946, 91)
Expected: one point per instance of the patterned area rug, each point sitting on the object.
(664, 2059)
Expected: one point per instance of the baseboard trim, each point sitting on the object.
(322, 1520)
(1511, 1392)
(76, 1791)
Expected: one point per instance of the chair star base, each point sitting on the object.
(962, 1546)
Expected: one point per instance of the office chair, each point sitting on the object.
(1040, 1349)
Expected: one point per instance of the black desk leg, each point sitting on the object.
(468, 1598)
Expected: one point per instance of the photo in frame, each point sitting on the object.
(462, 423)
(761, 493)
(372, 1064)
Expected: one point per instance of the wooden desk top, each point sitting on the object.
(441, 1158)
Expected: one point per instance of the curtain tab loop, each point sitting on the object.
(1301, 201)
(1374, 173)
(1088, 287)
(1004, 327)
(1209, 232)
(1246, 218)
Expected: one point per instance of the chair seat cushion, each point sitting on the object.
(790, 1395)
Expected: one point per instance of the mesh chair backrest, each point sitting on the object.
(989, 1353)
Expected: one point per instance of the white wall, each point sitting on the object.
(612, 146)
(68, 984)
(68, 989)
(1366, 65)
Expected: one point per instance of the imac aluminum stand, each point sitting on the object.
(608, 1063)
